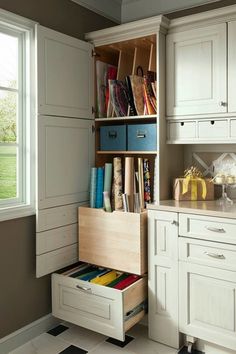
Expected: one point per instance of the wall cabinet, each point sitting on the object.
(196, 71)
(201, 269)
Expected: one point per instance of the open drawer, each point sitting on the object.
(115, 240)
(103, 309)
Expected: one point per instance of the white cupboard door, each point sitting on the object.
(207, 304)
(65, 156)
(65, 75)
(232, 65)
(163, 277)
(196, 71)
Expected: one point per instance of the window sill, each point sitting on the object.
(16, 212)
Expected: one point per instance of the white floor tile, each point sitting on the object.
(82, 338)
(108, 348)
(43, 344)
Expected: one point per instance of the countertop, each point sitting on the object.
(208, 208)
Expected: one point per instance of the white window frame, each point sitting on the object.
(24, 204)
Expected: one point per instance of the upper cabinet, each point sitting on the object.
(197, 71)
(65, 75)
(232, 65)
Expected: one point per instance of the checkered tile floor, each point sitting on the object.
(70, 339)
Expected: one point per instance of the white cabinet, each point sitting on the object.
(65, 145)
(65, 156)
(232, 65)
(163, 277)
(207, 303)
(65, 75)
(196, 71)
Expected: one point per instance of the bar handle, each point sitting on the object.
(214, 255)
(215, 229)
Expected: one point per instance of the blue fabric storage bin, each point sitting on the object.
(142, 137)
(113, 138)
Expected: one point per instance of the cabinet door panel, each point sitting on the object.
(65, 155)
(196, 71)
(232, 65)
(65, 75)
(207, 304)
(163, 277)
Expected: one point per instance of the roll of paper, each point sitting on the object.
(99, 188)
(107, 178)
(147, 182)
(93, 186)
(117, 184)
(155, 182)
(129, 181)
(141, 183)
(107, 202)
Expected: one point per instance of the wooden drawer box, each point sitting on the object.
(115, 240)
(96, 307)
(212, 254)
(208, 228)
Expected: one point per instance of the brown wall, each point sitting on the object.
(23, 298)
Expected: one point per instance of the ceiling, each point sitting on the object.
(122, 11)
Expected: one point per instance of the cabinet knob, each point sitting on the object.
(174, 223)
(223, 104)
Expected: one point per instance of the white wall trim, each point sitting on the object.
(106, 8)
(26, 333)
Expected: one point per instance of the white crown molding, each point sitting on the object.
(130, 30)
(207, 18)
(107, 8)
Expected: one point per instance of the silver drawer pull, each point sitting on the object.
(141, 136)
(83, 288)
(215, 229)
(214, 255)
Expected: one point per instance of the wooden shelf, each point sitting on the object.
(146, 117)
(126, 152)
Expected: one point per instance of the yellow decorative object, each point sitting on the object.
(191, 179)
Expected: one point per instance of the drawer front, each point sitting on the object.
(182, 130)
(51, 261)
(113, 138)
(213, 254)
(208, 228)
(47, 241)
(113, 240)
(98, 308)
(233, 128)
(55, 217)
(213, 129)
(142, 137)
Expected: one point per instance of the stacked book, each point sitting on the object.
(137, 95)
(126, 189)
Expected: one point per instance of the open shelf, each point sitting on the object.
(126, 152)
(130, 118)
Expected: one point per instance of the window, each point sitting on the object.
(16, 116)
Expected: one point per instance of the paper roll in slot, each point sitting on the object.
(93, 186)
(107, 202)
(117, 183)
(129, 181)
(141, 183)
(107, 178)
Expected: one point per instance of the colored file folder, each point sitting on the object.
(126, 282)
(105, 279)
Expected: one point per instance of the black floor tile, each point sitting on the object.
(119, 343)
(57, 330)
(184, 350)
(73, 350)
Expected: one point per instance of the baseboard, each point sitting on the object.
(26, 333)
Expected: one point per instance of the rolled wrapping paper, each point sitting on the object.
(141, 183)
(107, 202)
(107, 178)
(129, 181)
(99, 189)
(117, 184)
(93, 186)
(147, 183)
